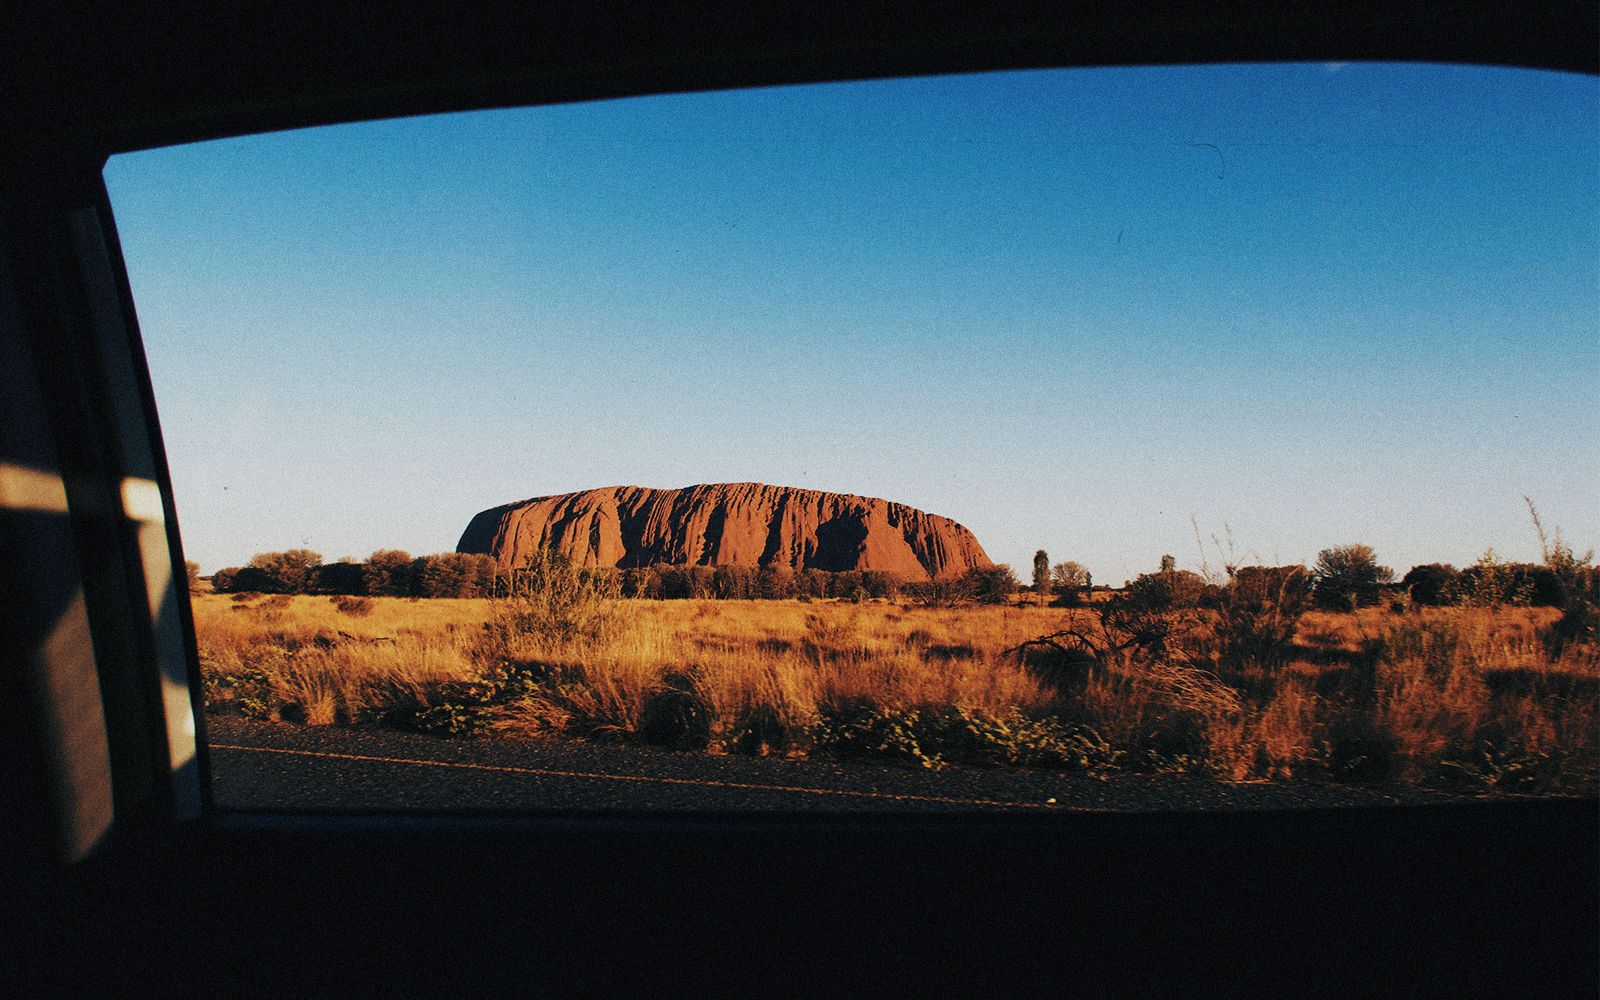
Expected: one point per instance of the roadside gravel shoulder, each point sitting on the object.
(265, 765)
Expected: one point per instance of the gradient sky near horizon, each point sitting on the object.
(1071, 309)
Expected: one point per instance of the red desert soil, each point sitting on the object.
(742, 524)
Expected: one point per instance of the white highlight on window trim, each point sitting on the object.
(141, 500)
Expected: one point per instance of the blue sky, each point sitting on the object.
(1070, 309)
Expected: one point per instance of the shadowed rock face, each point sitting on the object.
(743, 524)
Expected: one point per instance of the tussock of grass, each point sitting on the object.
(1469, 697)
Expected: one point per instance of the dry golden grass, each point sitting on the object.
(302, 657)
(1421, 697)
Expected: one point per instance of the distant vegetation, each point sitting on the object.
(392, 573)
(1447, 697)
(388, 573)
(1345, 578)
(1484, 677)
(1247, 673)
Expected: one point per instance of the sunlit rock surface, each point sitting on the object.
(743, 524)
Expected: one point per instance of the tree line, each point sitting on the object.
(1344, 577)
(386, 573)
(393, 573)
(1347, 577)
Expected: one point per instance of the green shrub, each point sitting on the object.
(448, 718)
(875, 732)
(246, 690)
(934, 738)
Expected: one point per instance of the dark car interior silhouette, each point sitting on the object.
(119, 876)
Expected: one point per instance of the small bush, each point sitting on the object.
(1257, 615)
(389, 573)
(1431, 585)
(1579, 625)
(1505, 766)
(1347, 577)
(642, 582)
(762, 730)
(946, 592)
(355, 607)
(992, 584)
(1172, 588)
(1356, 749)
(291, 572)
(453, 574)
(935, 738)
(554, 601)
(675, 716)
(450, 708)
(1576, 581)
(343, 577)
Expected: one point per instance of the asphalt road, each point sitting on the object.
(277, 766)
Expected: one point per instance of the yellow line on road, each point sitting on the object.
(700, 782)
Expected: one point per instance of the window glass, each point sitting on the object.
(1195, 437)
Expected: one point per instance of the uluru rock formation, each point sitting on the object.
(743, 524)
